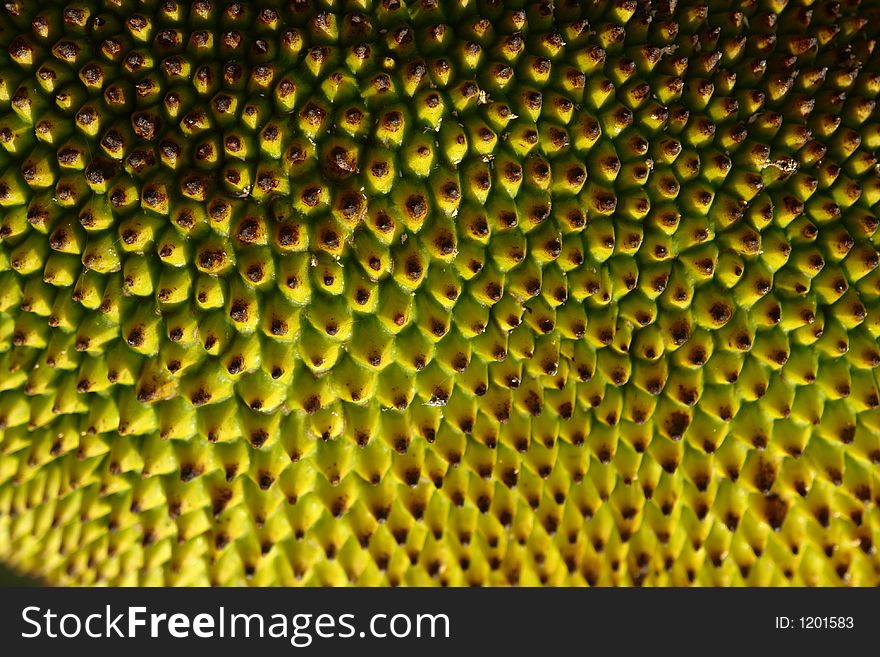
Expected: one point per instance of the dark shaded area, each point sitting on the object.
(9, 577)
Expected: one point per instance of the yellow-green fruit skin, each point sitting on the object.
(416, 292)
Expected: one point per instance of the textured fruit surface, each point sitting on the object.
(459, 292)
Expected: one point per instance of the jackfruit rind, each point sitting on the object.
(458, 293)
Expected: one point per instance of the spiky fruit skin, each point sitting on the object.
(473, 292)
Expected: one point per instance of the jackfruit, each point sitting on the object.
(464, 292)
